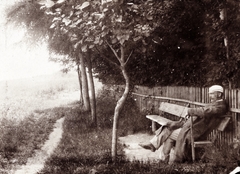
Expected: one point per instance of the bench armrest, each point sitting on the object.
(222, 116)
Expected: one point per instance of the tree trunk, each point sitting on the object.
(92, 90)
(80, 85)
(85, 93)
(119, 105)
(223, 16)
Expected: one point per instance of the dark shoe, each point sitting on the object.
(148, 146)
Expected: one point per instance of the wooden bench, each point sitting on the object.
(169, 108)
(181, 112)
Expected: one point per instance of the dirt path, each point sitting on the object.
(36, 163)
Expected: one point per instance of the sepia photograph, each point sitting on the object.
(120, 86)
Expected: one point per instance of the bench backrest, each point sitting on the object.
(174, 109)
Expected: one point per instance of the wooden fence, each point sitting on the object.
(148, 100)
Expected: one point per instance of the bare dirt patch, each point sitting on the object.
(133, 151)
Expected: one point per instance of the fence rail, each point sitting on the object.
(148, 99)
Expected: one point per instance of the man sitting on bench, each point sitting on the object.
(205, 119)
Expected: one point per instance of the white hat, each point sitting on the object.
(215, 88)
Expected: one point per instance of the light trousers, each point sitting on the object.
(162, 138)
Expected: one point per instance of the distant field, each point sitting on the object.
(31, 86)
(19, 98)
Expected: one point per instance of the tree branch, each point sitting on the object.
(106, 57)
(115, 53)
(128, 57)
(122, 54)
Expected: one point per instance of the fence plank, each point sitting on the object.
(237, 98)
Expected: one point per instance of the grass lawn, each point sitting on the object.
(81, 147)
(85, 150)
(20, 140)
(29, 112)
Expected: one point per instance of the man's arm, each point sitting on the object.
(209, 110)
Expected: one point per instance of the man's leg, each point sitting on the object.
(167, 146)
(158, 139)
(183, 143)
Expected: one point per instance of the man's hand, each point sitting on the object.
(169, 125)
(187, 117)
(172, 125)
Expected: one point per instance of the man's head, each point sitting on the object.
(215, 93)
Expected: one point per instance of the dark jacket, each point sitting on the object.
(205, 120)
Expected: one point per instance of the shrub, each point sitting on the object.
(131, 120)
(105, 103)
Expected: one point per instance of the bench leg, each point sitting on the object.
(192, 141)
(154, 127)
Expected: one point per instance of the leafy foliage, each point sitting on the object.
(225, 61)
(172, 54)
(188, 47)
(185, 45)
(88, 23)
(29, 16)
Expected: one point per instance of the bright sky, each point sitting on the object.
(18, 60)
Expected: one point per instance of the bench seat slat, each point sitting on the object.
(160, 120)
